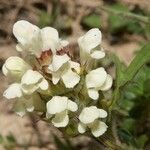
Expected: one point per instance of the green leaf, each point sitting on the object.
(128, 125)
(141, 141)
(140, 85)
(126, 75)
(147, 31)
(119, 77)
(120, 67)
(125, 136)
(126, 105)
(92, 21)
(147, 87)
(140, 59)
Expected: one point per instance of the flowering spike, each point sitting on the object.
(55, 83)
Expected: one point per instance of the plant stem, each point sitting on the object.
(109, 144)
(130, 15)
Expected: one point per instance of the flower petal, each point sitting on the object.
(93, 94)
(70, 78)
(75, 66)
(44, 85)
(58, 61)
(15, 67)
(64, 43)
(85, 118)
(99, 128)
(19, 48)
(31, 77)
(102, 113)
(60, 119)
(24, 31)
(90, 40)
(57, 104)
(107, 84)
(4, 70)
(96, 78)
(13, 91)
(81, 128)
(50, 39)
(97, 54)
(72, 106)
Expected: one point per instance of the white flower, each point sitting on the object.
(32, 81)
(29, 104)
(61, 68)
(36, 40)
(15, 67)
(24, 103)
(96, 80)
(13, 91)
(89, 45)
(89, 117)
(60, 107)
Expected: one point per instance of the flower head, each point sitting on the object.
(96, 80)
(35, 84)
(60, 107)
(89, 117)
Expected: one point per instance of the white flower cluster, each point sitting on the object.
(52, 81)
